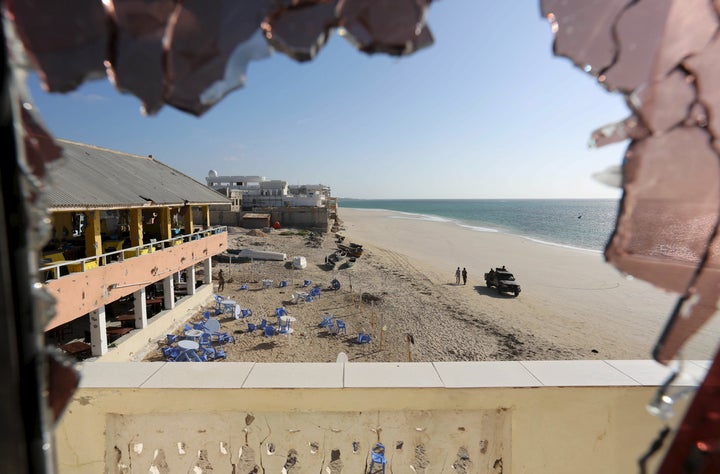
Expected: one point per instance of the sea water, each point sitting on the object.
(580, 223)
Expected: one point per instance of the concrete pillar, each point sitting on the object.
(136, 227)
(207, 267)
(190, 280)
(98, 336)
(165, 223)
(140, 308)
(206, 217)
(188, 218)
(169, 292)
(93, 241)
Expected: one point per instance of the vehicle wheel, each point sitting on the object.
(487, 283)
(498, 290)
(516, 293)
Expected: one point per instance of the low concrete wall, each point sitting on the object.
(475, 417)
(314, 218)
(133, 346)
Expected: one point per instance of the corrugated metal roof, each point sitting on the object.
(93, 177)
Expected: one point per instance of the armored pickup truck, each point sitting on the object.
(502, 280)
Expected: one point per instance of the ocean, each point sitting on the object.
(578, 223)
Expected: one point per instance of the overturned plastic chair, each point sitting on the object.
(306, 283)
(281, 311)
(243, 286)
(377, 454)
(283, 284)
(327, 322)
(363, 338)
(251, 327)
(269, 331)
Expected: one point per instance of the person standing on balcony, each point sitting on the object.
(221, 281)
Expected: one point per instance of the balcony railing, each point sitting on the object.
(54, 270)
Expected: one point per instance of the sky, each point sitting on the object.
(486, 112)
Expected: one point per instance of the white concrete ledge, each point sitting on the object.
(213, 375)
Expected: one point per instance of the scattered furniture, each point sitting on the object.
(76, 347)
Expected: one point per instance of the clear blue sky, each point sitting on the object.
(486, 112)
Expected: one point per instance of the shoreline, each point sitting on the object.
(469, 226)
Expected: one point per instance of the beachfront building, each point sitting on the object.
(124, 244)
(307, 205)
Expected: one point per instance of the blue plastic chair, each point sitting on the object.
(206, 315)
(269, 331)
(170, 353)
(335, 284)
(378, 457)
(306, 283)
(245, 313)
(263, 324)
(187, 327)
(199, 326)
(220, 354)
(171, 338)
(315, 292)
(280, 312)
(243, 287)
(309, 299)
(341, 328)
(208, 352)
(251, 327)
(327, 322)
(363, 338)
(283, 284)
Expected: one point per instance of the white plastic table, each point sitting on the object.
(188, 345)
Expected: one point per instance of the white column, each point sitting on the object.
(190, 280)
(98, 336)
(169, 292)
(207, 266)
(140, 309)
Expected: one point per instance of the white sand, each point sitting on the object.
(572, 297)
(573, 305)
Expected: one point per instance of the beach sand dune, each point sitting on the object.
(402, 291)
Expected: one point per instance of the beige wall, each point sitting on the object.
(131, 417)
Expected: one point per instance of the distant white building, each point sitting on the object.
(250, 192)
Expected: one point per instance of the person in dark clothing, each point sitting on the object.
(221, 281)
(464, 275)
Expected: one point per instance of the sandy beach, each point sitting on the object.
(402, 291)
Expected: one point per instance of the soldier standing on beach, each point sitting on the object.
(457, 276)
(464, 275)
